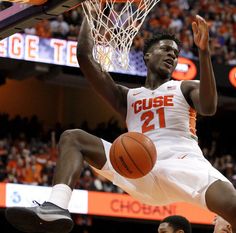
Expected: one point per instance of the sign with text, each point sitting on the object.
(24, 195)
(34, 48)
(103, 204)
(120, 205)
(63, 52)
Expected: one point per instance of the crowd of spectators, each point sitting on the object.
(28, 151)
(173, 15)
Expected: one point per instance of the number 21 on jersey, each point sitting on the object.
(152, 109)
(149, 116)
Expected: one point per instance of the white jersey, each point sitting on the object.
(160, 114)
(181, 172)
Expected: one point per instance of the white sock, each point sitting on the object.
(60, 195)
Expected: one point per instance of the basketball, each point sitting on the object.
(133, 155)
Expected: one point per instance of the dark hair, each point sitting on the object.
(178, 222)
(165, 35)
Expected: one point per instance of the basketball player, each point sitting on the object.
(165, 111)
(175, 224)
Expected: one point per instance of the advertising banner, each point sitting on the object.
(2, 194)
(121, 205)
(24, 195)
(102, 204)
(63, 52)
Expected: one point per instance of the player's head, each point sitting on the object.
(161, 54)
(175, 224)
(222, 226)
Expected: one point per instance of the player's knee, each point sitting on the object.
(71, 138)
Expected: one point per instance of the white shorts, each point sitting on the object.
(171, 180)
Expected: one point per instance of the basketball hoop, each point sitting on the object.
(114, 24)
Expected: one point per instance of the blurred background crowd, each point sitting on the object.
(174, 15)
(28, 148)
(28, 151)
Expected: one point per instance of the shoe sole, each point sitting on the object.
(28, 221)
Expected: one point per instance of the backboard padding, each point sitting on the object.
(28, 15)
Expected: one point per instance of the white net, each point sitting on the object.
(114, 24)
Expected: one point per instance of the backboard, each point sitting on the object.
(20, 16)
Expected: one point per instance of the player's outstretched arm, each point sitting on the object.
(100, 80)
(204, 95)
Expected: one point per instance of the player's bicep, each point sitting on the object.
(194, 97)
(190, 90)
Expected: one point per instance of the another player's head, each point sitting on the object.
(175, 224)
(161, 54)
(222, 226)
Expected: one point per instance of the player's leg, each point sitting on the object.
(75, 147)
(221, 199)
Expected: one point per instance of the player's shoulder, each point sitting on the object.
(187, 86)
(123, 88)
(135, 89)
(190, 84)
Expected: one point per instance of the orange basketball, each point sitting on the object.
(133, 155)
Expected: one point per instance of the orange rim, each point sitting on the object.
(120, 1)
